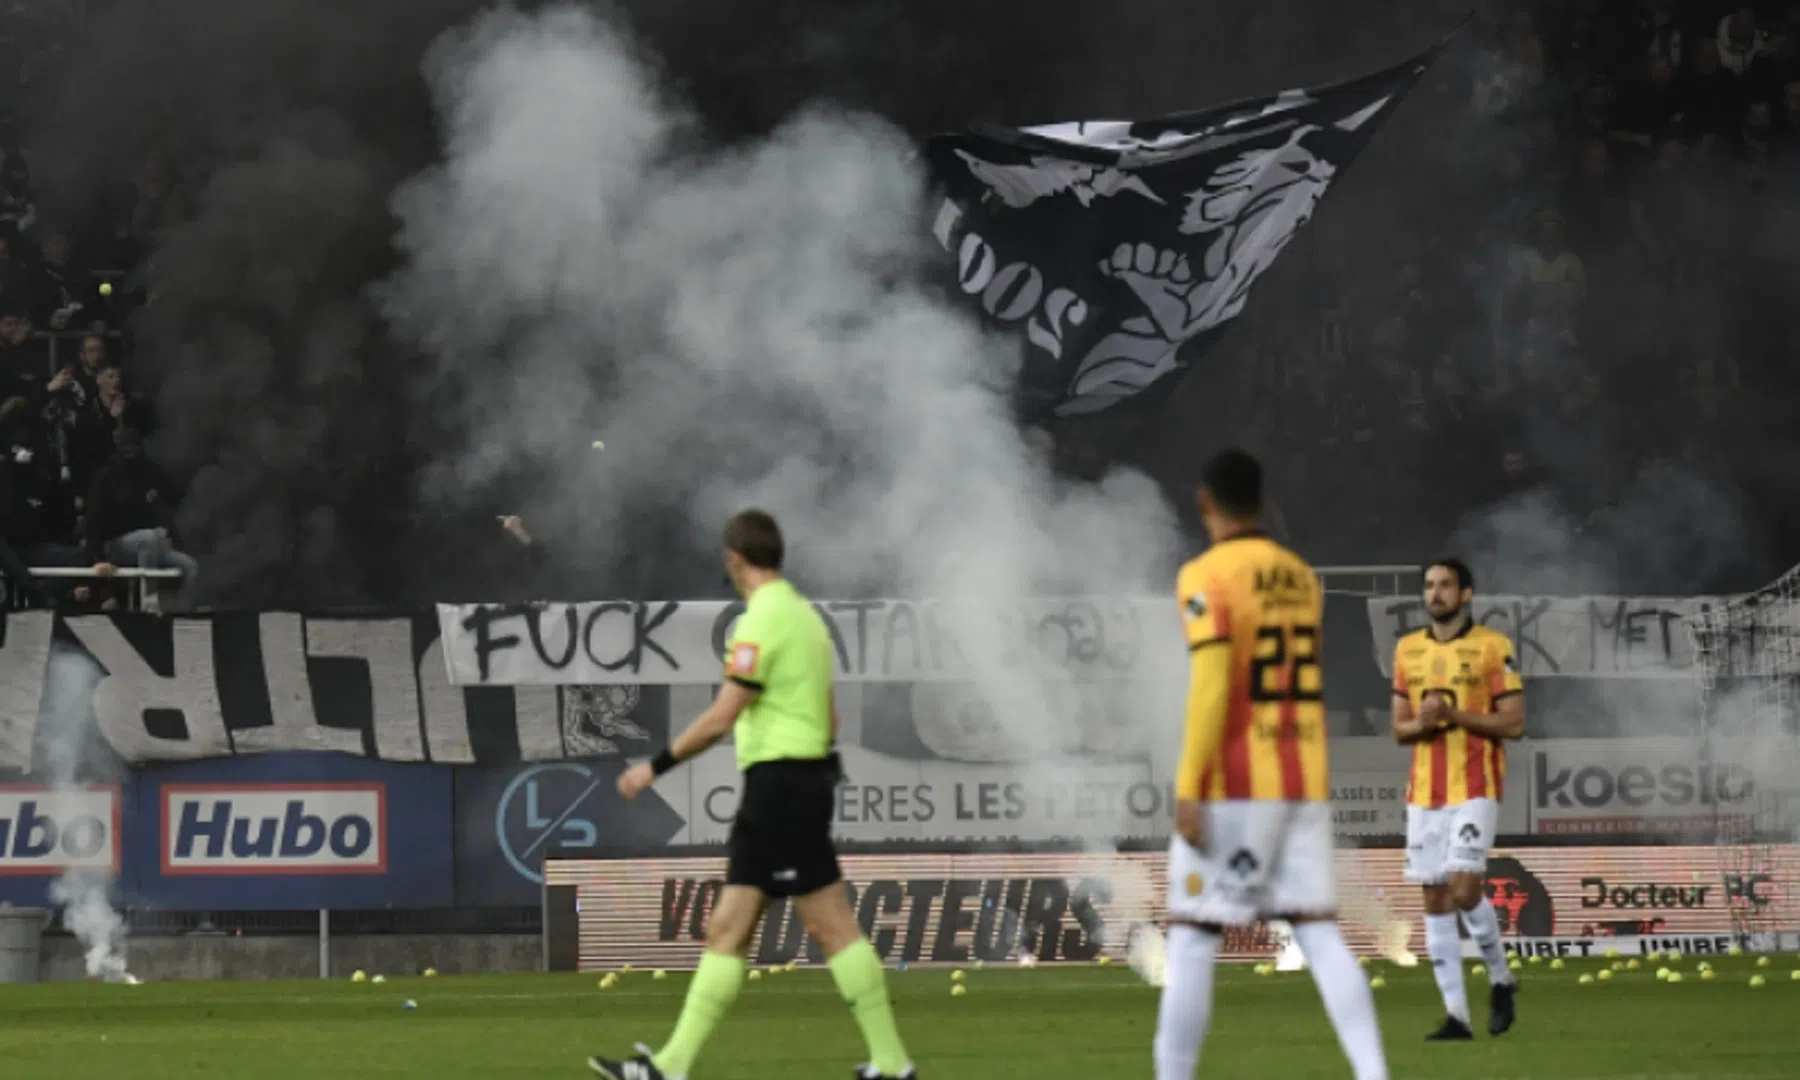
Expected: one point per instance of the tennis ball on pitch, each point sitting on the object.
(1617, 965)
(624, 969)
(958, 990)
(1535, 960)
(979, 964)
(1363, 960)
(1674, 976)
(1377, 983)
(1707, 975)
(1704, 966)
(1478, 969)
(659, 973)
(1663, 973)
(791, 965)
(957, 975)
(1756, 980)
(608, 981)
(1513, 965)
(1264, 969)
(430, 973)
(1556, 964)
(1104, 961)
(1585, 979)
(1762, 961)
(1610, 953)
(1604, 975)
(409, 1003)
(755, 974)
(379, 979)
(1735, 951)
(1632, 964)
(1654, 958)
(359, 976)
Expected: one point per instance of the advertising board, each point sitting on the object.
(48, 831)
(290, 831)
(956, 909)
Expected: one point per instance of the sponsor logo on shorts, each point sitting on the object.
(1195, 884)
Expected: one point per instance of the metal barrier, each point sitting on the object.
(142, 596)
(1379, 580)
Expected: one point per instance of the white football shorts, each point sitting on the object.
(1263, 859)
(1446, 840)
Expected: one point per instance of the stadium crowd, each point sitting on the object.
(1594, 311)
(76, 488)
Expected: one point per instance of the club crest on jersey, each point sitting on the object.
(742, 660)
(1196, 605)
(1512, 664)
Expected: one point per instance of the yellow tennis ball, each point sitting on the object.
(957, 975)
(755, 974)
(1585, 979)
(1707, 975)
(106, 288)
(1604, 975)
(1756, 980)
(1762, 961)
(958, 990)
(1556, 964)
(1478, 969)
(1377, 983)
(659, 973)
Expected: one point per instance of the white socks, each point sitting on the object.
(1484, 927)
(1444, 946)
(1345, 990)
(1187, 999)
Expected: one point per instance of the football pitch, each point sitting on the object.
(1049, 1023)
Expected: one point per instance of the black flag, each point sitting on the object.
(1122, 248)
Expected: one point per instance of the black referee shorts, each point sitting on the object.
(781, 840)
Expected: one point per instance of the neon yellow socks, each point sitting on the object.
(709, 997)
(857, 971)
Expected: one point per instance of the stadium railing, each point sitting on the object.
(139, 598)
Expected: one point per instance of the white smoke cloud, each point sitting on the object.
(83, 895)
(745, 326)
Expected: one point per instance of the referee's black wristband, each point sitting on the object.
(664, 761)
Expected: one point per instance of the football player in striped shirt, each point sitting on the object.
(1252, 790)
(1458, 698)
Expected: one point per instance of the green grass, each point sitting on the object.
(1044, 1024)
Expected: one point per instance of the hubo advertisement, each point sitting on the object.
(954, 909)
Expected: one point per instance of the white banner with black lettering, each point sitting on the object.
(1588, 637)
(679, 643)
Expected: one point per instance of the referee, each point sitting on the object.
(776, 701)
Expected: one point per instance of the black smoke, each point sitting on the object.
(299, 423)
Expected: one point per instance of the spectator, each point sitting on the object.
(62, 292)
(15, 282)
(1654, 110)
(1659, 34)
(22, 366)
(130, 514)
(1738, 40)
(1756, 138)
(17, 212)
(1715, 98)
(1790, 109)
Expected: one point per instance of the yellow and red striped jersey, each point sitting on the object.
(1476, 669)
(1256, 695)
